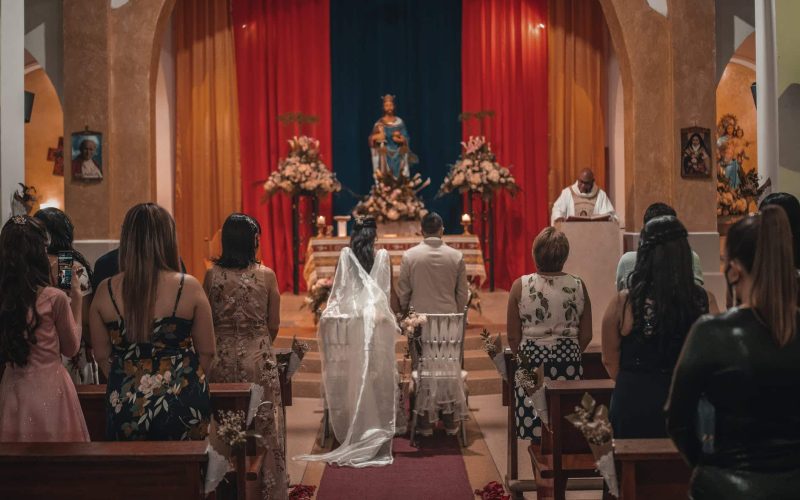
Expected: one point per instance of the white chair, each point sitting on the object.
(439, 382)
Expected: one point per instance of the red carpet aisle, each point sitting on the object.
(435, 470)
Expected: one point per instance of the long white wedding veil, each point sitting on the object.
(357, 343)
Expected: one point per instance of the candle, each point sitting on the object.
(466, 218)
(321, 220)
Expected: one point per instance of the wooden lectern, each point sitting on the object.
(594, 251)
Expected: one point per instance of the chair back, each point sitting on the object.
(442, 344)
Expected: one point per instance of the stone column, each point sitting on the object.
(767, 91)
(12, 102)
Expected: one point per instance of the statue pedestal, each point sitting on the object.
(594, 251)
(399, 228)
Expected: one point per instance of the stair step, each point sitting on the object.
(473, 360)
(480, 382)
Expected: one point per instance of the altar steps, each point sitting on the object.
(483, 377)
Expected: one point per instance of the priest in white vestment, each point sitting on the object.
(582, 199)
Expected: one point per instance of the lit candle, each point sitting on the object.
(321, 220)
(466, 218)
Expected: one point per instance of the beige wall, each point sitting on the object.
(42, 133)
(788, 47)
(110, 65)
(667, 67)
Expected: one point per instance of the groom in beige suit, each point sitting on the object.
(433, 280)
(433, 277)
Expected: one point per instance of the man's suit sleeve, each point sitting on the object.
(462, 286)
(403, 285)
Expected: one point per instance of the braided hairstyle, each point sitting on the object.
(362, 241)
(665, 300)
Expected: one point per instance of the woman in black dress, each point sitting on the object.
(644, 328)
(746, 365)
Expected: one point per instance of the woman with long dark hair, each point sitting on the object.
(81, 367)
(357, 333)
(153, 336)
(245, 303)
(38, 325)
(644, 328)
(745, 365)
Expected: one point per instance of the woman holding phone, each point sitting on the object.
(62, 255)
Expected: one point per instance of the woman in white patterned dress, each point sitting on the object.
(549, 322)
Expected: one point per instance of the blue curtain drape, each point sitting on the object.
(411, 49)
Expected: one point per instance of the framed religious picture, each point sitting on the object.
(696, 152)
(87, 156)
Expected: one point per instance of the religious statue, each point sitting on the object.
(389, 143)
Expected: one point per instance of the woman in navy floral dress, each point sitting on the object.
(153, 336)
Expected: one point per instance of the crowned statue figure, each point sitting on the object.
(389, 143)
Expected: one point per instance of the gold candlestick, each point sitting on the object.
(466, 221)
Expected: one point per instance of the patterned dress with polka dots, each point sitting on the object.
(550, 309)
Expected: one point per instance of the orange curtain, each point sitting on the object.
(207, 167)
(576, 71)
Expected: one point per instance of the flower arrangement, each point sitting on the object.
(302, 492)
(290, 361)
(477, 171)
(317, 297)
(231, 429)
(493, 346)
(302, 171)
(411, 324)
(393, 198)
(492, 491)
(592, 421)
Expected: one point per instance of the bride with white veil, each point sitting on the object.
(357, 342)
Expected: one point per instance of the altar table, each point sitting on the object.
(323, 254)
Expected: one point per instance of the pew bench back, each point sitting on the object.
(98, 471)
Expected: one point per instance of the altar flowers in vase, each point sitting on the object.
(393, 198)
(477, 171)
(302, 171)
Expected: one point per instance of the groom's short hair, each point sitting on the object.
(432, 223)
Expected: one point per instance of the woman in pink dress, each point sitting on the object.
(38, 324)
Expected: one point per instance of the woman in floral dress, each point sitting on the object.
(245, 302)
(549, 323)
(153, 336)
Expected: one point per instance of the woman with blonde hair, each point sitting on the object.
(742, 369)
(153, 336)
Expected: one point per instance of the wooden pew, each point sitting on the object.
(650, 469)
(563, 452)
(592, 362)
(223, 397)
(98, 471)
(593, 369)
(92, 399)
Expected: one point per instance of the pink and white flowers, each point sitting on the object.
(477, 171)
(393, 198)
(302, 171)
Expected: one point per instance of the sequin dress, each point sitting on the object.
(38, 401)
(245, 304)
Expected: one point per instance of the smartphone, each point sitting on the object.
(65, 270)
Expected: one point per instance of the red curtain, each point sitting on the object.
(283, 66)
(504, 69)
